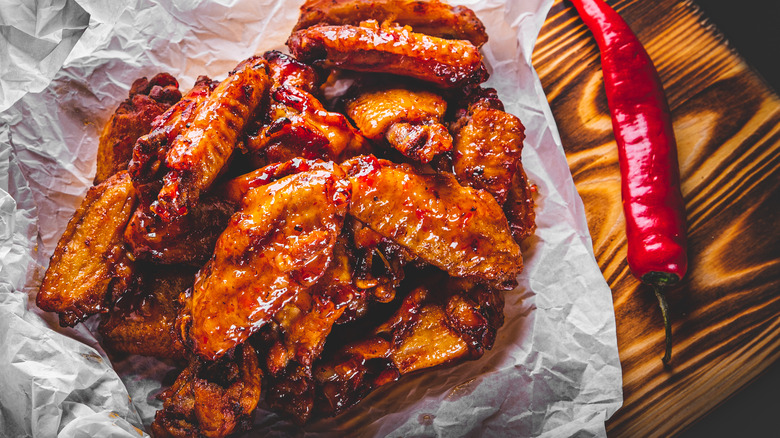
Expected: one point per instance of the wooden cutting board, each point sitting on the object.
(726, 313)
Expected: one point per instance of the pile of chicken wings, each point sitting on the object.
(264, 237)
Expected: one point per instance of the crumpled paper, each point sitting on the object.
(554, 370)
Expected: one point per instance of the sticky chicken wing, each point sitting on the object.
(187, 239)
(296, 123)
(279, 243)
(303, 325)
(458, 229)
(434, 326)
(409, 119)
(132, 119)
(430, 17)
(488, 144)
(203, 147)
(142, 319)
(90, 254)
(211, 399)
(147, 165)
(519, 207)
(388, 49)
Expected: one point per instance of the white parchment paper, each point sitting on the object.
(554, 370)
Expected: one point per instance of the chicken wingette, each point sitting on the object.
(278, 244)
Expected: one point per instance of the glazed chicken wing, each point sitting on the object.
(300, 126)
(519, 207)
(132, 119)
(187, 239)
(303, 325)
(280, 243)
(211, 399)
(387, 49)
(409, 119)
(197, 155)
(296, 124)
(435, 325)
(487, 147)
(431, 17)
(458, 229)
(147, 164)
(142, 319)
(90, 254)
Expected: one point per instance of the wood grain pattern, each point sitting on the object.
(727, 122)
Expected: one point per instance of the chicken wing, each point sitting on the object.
(431, 17)
(458, 229)
(147, 165)
(409, 119)
(142, 319)
(188, 239)
(387, 49)
(303, 326)
(132, 119)
(434, 326)
(197, 155)
(296, 123)
(487, 147)
(519, 207)
(211, 399)
(278, 244)
(90, 254)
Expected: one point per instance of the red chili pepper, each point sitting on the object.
(652, 201)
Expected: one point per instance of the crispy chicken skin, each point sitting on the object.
(203, 147)
(430, 17)
(211, 399)
(458, 229)
(434, 326)
(410, 119)
(132, 119)
(279, 243)
(188, 239)
(142, 319)
(147, 164)
(388, 49)
(90, 254)
(487, 146)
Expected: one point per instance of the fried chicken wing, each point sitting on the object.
(519, 207)
(235, 189)
(90, 254)
(280, 243)
(431, 17)
(458, 229)
(387, 49)
(188, 239)
(288, 71)
(296, 123)
(132, 119)
(211, 399)
(487, 147)
(432, 327)
(147, 165)
(409, 119)
(142, 319)
(197, 155)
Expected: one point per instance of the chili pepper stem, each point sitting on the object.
(667, 324)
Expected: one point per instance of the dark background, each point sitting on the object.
(752, 28)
